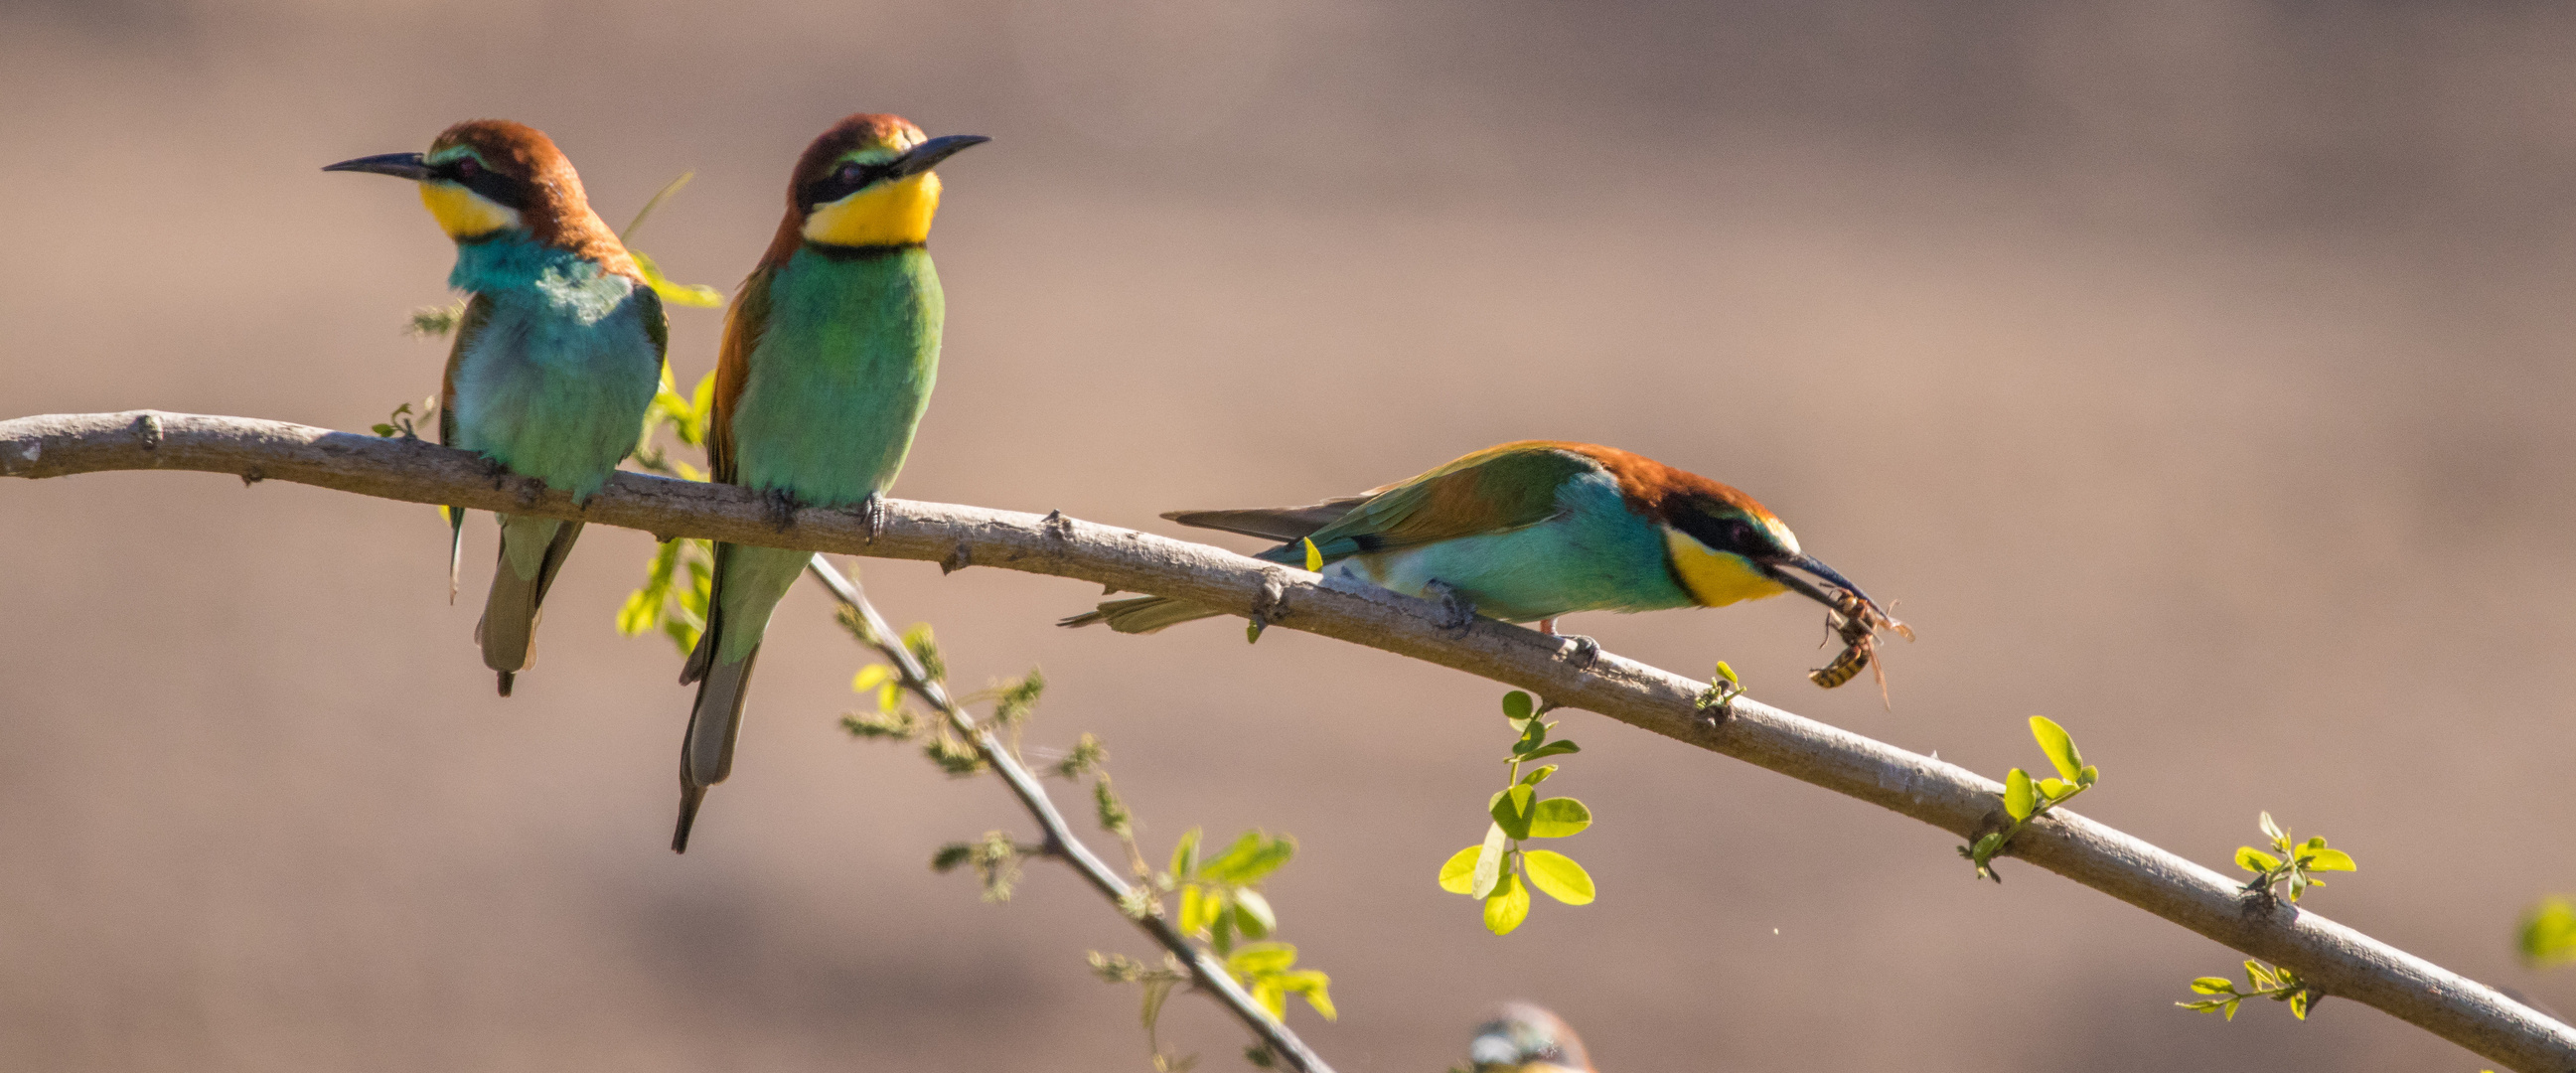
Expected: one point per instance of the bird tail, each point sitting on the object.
(706, 755)
(1143, 614)
(533, 550)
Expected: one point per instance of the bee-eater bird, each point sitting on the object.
(556, 357)
(1522, 1038)
(828, 356)
(1527, 532)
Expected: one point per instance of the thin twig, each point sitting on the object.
(1205, 971)
(2337, 959)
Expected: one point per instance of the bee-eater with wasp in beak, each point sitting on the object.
(556, 357)
(1528, 532)
(828, 356)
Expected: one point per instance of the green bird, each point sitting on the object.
(556, 357)
(829, 353)
(1529, 532)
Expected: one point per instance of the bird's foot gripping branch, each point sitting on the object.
(2334, 958)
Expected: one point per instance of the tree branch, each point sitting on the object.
(1205, 971)
(2336, 959)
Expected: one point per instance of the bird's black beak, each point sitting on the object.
(1809, 563)
(927, 155)
(398, 165)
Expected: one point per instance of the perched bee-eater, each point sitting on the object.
(556, 357)
(1527, 532)
(1523, 1038)
(828, 356)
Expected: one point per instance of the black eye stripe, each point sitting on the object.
(500, 189)
(842, 181)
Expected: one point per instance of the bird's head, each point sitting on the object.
(1523, 1038)
(867, 183)
(1722, 545)
(483, 177)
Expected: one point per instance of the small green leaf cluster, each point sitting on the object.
(681, 576)
(2026, 799)
(399, 422)
(996, 860)
(2290, 862)
(2276, 982)
(1723, 688)
(1158, 982)
(687, 294)
(435, 322)
(1498, 870)
(2549, 933)
(895, 720)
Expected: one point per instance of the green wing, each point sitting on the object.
(1492, 491)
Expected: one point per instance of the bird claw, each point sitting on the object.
(1457, 613)
(782, 507)
(872, 519)
(1579, 651)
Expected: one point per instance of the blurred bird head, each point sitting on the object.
(866, 183)
(1523, 1038)
(485, 177)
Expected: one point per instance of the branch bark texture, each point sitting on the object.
(2339, 960)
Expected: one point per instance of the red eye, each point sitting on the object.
(849, 173)
(468, 168)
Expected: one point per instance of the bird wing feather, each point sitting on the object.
(1492, 491)
(745, 323)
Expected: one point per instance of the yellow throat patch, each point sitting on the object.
(464, 214)
(887, 214)
(1716, 578)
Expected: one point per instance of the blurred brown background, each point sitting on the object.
(2194, 377)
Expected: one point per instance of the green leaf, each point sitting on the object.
(1557, 876)
(2214, 985)
(1539, 775)
(2059, 747)
(2255, 860)
(2549, 933)
(2299, 1005)
(2087, 776)
(1728, 673)
(1511, 811)
(1557, 817)
(1314, 985)
(2018, 801)
(1254, 855)
(2272, 830)
(2329, 860)
(2260, 976)
(1553, 748)
(871, 677)
(1262, 959)
(1198, 911)
(687, 294)
(1314, 556)
(1458, 873)
(1253, 916)
(1517, 705)
(1490, 861)
(1185, 854)
(1507, 906)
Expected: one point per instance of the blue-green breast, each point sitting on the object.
(841, 373)
(555, 363)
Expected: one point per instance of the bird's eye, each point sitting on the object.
(850, 172)
(468, 168)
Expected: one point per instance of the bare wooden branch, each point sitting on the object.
(1205, 971)
(2338, 960)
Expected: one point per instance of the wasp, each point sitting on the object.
(1857, 622)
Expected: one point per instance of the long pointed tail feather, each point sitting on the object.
(1143, 614)
(706, 755)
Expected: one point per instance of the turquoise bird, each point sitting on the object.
(556, 357)
(828, 357)
(1522, 1038)
(1530, 532)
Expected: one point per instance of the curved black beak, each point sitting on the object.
(1811, 590)
(398, 165)
(927, 155)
